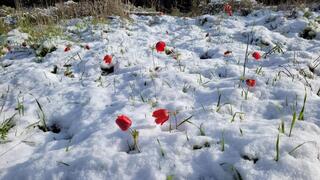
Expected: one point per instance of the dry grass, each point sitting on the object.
(40, 23)
(61, 11)
(96, 8)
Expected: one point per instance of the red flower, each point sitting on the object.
(67, 49)
(256, 55)
(87, 47)
(228, 9)
(251, 82)
(161, 115)
(123, 122)
(107, 59)
(160, 46)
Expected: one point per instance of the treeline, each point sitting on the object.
(159, 4)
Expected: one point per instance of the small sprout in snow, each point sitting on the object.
(294, 118)
(241, 131)
(301, 114)
(222, 142)
(161, 149)
(277, 148)
(68, 72)
(20, 106)
(169, 177)
(282, 127)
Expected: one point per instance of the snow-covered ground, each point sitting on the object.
(239, 135)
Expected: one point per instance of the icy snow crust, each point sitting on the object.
(91, 146)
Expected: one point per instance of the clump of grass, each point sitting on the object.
(5, 127)
(42, 123)
(4, 29)
(39, 33)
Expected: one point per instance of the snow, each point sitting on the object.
(91, 146)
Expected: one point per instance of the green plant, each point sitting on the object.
(276, 49)
(245, 93)
(241, 131)
(297, 147)
(219, 98)
(169, 177)
(282, 127)
(307, 14)
(201, 129)
(5, 127)
(161, 149)
(4, 97)
(222, 141)
(235, 114)
(134, 147)
(259, 70)
(42, 123)
(4, 28)
(294, 117)
(39, 33)
(246, 55)
(20, 106)
(301, 114)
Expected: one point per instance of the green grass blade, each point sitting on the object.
(293, 122)
(301, 114)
